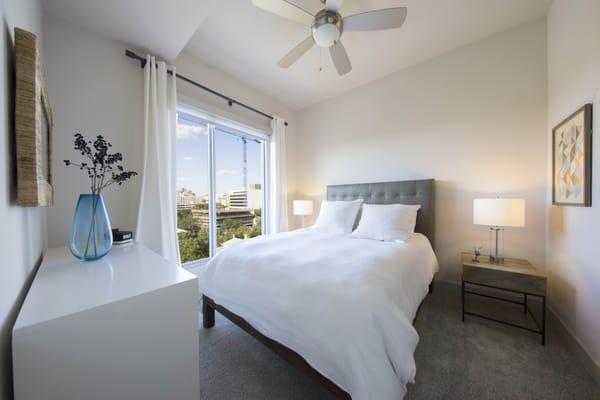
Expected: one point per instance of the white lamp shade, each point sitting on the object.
(303, 207)
(499, 212)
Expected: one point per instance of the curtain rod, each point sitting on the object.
(229, 100)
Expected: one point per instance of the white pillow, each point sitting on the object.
(337, 216)
(387, 222)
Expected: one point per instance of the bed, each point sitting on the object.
(337, 307)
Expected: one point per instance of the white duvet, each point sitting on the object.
(344, 304)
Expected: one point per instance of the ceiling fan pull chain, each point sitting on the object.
(320, 59)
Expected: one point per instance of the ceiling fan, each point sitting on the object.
(328, 25)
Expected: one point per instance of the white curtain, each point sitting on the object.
(278, 190)
(156, 222)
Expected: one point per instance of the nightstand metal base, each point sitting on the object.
(540, 325)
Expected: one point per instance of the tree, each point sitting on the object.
(256, 230)
(231, 224)
(193, 246)
(186, 221)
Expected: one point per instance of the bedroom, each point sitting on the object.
(467, 94)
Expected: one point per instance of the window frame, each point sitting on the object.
(212, 122)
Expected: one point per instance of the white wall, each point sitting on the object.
(94, 89)
(473, 119)
(572, 250)
(22, 230)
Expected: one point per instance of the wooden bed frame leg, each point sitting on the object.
(431, 287)
(208, 314)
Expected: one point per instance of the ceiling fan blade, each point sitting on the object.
(340, 58)
(296, 52)
(387, 18)
(334, 5)
(285, 9)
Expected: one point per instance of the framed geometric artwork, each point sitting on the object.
(572, 159)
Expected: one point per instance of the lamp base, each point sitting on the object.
(496, 259)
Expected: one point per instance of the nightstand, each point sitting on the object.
(513, 276)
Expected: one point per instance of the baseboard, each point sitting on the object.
(555, 324)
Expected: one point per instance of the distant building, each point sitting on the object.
(246, 217)
(222, 199)
(185, 198)
(235, 200)
(238, 199)
(249, 199)
(255, 196)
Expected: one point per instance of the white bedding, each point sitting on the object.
(344, 304)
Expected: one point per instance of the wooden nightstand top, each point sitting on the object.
(514, 275)
(510, 265)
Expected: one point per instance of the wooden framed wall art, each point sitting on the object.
(572, 159)
(33, 124)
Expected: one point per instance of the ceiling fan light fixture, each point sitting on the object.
(326, 35)
(327, 28)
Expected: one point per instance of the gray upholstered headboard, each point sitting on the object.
(404, 192)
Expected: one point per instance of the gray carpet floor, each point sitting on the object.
(476, 359)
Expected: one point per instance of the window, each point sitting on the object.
(193, 182)
(221, 185)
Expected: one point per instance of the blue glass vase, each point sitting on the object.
(91, 237)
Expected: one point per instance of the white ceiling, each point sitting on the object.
(155, 25)
(247, 42)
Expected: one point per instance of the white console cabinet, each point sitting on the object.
(122, 327)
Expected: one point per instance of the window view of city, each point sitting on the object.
(238, 195)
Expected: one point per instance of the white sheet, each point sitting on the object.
(344, 304)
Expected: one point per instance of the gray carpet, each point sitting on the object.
(473, 360)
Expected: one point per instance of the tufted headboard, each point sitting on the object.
(404, 192)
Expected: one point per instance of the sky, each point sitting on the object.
(192, 158)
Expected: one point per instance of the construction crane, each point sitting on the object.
(245, 166)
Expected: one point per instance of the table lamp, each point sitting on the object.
(498, 214)
(303, 208)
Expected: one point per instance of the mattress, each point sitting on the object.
(346, 305)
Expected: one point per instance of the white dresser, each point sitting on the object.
(122, 327)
